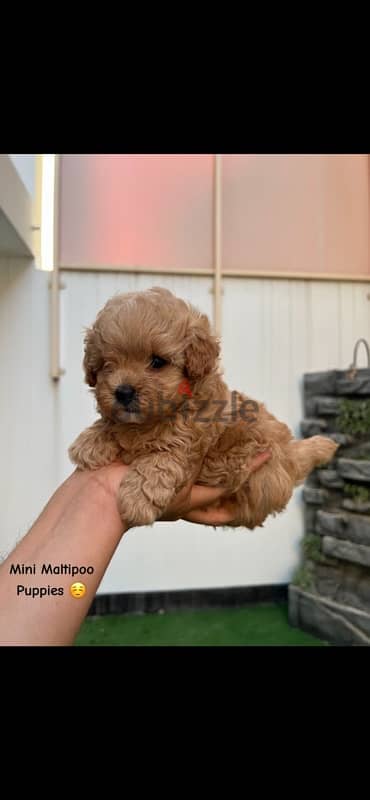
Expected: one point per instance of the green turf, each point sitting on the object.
(255, 625)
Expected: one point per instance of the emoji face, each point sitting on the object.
(77, 590)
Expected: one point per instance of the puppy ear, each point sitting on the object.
(203, 349)
(93, 360)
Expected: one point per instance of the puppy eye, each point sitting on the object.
(107, 367)
(157, 362)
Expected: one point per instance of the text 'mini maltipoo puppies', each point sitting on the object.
(165, 409)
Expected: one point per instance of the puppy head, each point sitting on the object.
(139, 351)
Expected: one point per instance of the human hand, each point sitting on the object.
(207, 505)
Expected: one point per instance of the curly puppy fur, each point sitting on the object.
(152, 362)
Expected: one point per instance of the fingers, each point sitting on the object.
(260, 459)
(191, 498)
(197, 503)
(205, 495)
(210, 516)
(221, 512)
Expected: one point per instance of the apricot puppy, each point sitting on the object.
(152, 362)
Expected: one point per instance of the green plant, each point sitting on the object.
(359, 493)
(303, 577)
(354, 416)
(312, 547)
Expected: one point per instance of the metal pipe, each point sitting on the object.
(367, 349)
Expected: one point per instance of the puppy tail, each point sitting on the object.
(310, 453)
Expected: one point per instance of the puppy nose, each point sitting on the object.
(125, 393)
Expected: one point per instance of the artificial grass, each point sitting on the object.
(254, 625)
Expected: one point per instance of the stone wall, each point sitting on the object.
(330, 594)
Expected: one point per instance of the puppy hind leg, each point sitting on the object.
(270, 489)
(306, 454)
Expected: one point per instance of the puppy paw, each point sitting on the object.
(78, 456)
(147, 490)
(135, 510)
(94, 448)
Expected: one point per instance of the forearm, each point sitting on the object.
(79, 526)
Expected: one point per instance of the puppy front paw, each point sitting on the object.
(95, 447)
(79, 456)
(146, 491)
(135, 509)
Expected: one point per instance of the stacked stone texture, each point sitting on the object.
(331, 594)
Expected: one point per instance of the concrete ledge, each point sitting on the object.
(320, 383)
(313, 496)
(344, 525)
(346, 551)
(313, 426)
(328, 620)
(330, 479)
(354, 470)
(334, 382)
(356, 505)
(359, 384)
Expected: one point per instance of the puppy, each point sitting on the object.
(152, 362)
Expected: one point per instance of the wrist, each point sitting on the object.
(98, 489)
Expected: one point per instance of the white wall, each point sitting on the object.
(25, 166)
(29, 415)
(274, 331)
